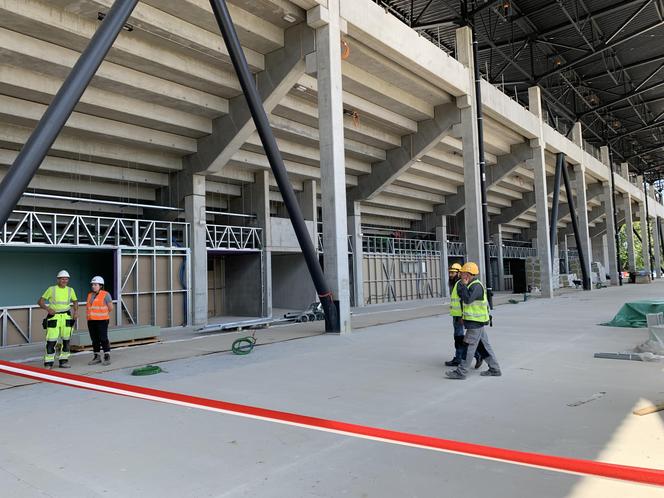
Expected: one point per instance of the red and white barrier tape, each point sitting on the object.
(538, 460)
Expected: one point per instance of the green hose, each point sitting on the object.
(244, 345)
(147, 370)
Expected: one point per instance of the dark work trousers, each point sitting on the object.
(99, 334)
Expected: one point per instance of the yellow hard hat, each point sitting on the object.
(471, 268)
(455, 267)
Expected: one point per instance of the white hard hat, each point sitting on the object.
(63, 274)
(97, 280)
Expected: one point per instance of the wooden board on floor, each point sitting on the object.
(119, 344)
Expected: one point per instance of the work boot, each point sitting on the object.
(455, 375)
(64, 364)
(454, 362)
(478, 362)
(96, 360)
(48, 364)
(107, 359)
(491, 373)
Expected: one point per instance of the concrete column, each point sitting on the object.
(566, 249)
(260, 196)
(538, 165)
(355, 231)
(332, 161)
(645, 239)
(657, 247)
(609, 208)
(629, 232)
(308, 200)
(624, 170)
(582, 202)
(441, 238)
(471, 172)
(192, 188)
(500, 277)
(607, 204)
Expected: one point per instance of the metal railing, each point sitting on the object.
(20, 322)
(519, 252)
(387, 245)
(456, 248)
(231, 238)
(321, 248)
(48, 229)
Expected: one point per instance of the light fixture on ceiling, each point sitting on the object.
(289, 18)
(126, 27)
(300, 88)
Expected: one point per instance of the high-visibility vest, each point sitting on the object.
(60, 299)
(478, 310)
(97, 309)
(455, 301)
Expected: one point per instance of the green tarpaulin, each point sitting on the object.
(634, 314)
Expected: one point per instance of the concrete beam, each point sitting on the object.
(429, 134)
(593, 215)
(517, 208)
(254, 30)
(75, 146)
(283, 69)
(24, 113)
(91, 170)
(386, 118)
(34, 86)
(73, 31)
(506, 164)
(54, 60)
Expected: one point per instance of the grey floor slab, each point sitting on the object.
(59, 441)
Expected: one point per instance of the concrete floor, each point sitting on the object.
(57, 441)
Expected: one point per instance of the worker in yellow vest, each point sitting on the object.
(475, 315)
(99, 306)
(60, 320)
(456, 312)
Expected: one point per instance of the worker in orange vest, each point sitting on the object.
(99, 306)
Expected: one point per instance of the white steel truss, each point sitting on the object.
(230, 238)
(50, 229)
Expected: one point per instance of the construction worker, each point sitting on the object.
(456, 313)
(99, 306)
(475, 315)
(60, 320)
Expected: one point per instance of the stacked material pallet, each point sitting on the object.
(534, 273)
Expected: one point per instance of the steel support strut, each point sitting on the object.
(575, 226)
(482, 165)
(40, 141)
(254, 102)
(553, 222)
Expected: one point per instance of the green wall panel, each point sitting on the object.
(27, 272)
